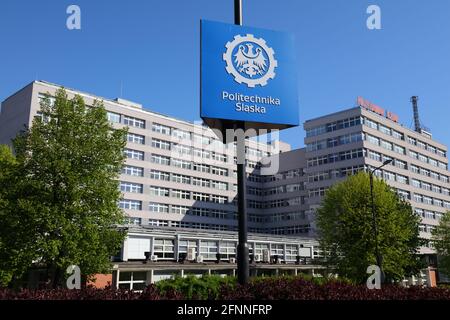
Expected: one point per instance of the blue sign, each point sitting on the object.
(248, 74)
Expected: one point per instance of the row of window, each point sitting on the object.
(333, 126)
(428, 147)
(346, 123)
(200, 139)
(184, 179)
(429, 160)
(183, 194)
(168, 161)
(295, 201)
(432, 215)
(288, 188)
(165, 249)
(430, 187)
(431, 201)
(188, 150)
(335, 173)
(403, 165)
(336, 157)
(385, 144)
(335, 141)
(382, 128)
(289, 174)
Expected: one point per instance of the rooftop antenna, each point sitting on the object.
(417, 126)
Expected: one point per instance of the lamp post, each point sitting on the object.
(374, 220)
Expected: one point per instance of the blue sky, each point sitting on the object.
(152, 47)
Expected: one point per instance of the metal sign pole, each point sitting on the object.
(242, 249)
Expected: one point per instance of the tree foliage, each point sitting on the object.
(441, 241)
(347, 236)
(61, 205)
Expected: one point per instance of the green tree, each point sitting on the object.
(346, 232)
(441, 241)
(66, 190)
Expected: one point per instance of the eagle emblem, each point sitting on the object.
(249, 60)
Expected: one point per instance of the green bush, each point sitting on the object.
(192, 287)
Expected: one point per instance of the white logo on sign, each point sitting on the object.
(250, 61)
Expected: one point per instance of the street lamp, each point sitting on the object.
(374, 220)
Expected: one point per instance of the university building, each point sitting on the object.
(179, 186)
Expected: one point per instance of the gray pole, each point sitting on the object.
(374, 221)
(242, 249)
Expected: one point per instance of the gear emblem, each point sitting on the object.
(250, 60)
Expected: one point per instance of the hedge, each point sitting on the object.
(217, 288)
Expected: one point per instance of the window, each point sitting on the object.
(133, 171)
(180, 178)
(130, 187)
(423, 158)
(134, 154)
(414, 168)
(200, 196)
(219, 185)
(200, 182)
(135, 138)
(373, 140)
(427, 200)
(130, 204)
(201, 167)
(181, 194)
(389, 175)
(399, 149)
(413, 154)
(426, 186)
(402, 179)
(227, 249)
(218, 199)
(181, 163)
(181, 134)
(132, 280)
(384, 129)
(159, 175)
(219, 157)
(371, 124)
(374, 155)
(386, 145)
(113, 117)
(219, 171)
(400, 164)
(179, 209)
(160, 159)
(403, 194)
(397, 135)
(159, 191)
(158, 207)
(164, 248)
(208, 249)
(134, 122)
(185, 246)
(441, 153)
(421, 144)
(411, 141)
(202, 153)
(160, 144)
(418, 198)
(156, 127)
(181, 149)
(316, 131)
(415, 183)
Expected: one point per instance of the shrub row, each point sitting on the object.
(213, 287)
